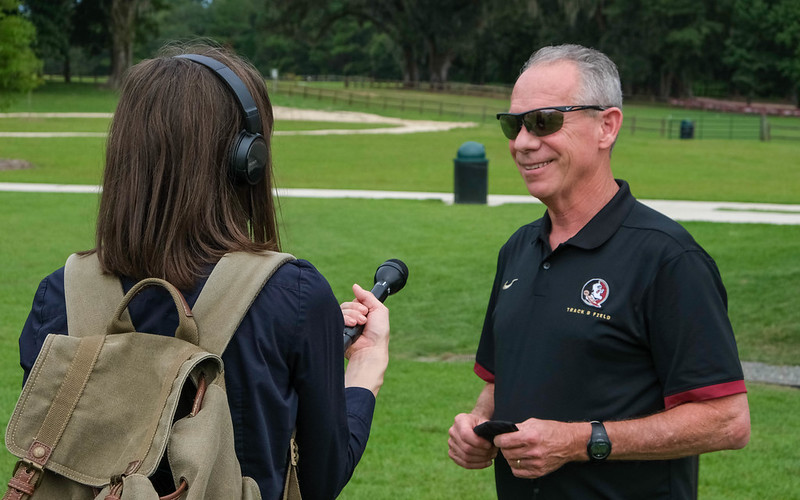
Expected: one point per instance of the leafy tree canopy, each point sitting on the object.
(19, 66)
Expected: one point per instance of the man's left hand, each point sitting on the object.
(543, 446)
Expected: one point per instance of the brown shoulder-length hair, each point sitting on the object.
(169, 208)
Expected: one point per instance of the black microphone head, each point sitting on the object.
(394, 272)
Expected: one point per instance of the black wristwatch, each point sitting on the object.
(599, 446)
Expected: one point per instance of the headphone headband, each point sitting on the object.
(249, 154)
(252, 120)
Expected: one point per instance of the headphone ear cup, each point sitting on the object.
(249, 158)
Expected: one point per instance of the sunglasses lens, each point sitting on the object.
(544, 122)
(510, 125)
(539, 123)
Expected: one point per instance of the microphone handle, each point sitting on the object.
(351, 333)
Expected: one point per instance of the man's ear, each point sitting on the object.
(610, 123)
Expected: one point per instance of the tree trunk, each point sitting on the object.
(410, 69)
(438, 65)
(122, 26)
(66, 67)
(439, 68)
(667, 78)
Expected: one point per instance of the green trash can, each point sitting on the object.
(470, 178)
(687, 129)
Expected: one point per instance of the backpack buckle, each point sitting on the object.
(26, 477)
(28, 466)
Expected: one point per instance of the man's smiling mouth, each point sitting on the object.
(536, 166)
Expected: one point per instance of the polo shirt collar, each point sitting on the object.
(602, 226)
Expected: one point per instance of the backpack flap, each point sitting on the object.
(123, 413)
(99, 403)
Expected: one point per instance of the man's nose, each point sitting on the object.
(526, 140)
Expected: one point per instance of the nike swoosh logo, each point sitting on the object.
(507, 285)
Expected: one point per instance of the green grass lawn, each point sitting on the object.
(451, 253)
(41, 124)
(60, 97)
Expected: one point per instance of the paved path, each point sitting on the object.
(782, 375)
(710, 211)
(761, 213)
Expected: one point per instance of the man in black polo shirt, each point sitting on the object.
(606, 340)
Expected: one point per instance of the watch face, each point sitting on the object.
(600, 449)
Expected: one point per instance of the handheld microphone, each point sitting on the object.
(390, 278)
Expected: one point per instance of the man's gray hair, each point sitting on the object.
(599, 76)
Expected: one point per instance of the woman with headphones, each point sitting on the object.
(188, 179)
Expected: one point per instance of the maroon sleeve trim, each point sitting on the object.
(483, 373)
(705, 393)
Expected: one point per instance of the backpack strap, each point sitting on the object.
(229, 292)
(236, 280)
(91, 296)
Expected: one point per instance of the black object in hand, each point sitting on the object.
(491, 428)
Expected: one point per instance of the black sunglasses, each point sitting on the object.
(540, 121)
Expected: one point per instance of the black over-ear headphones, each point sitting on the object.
(249, 154)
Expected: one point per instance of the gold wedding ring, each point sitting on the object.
(519, 462)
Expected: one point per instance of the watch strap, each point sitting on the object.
(599, 446)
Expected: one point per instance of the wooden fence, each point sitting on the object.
(384, 101)
(689, 126)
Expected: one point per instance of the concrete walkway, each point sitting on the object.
(770, 374)
(708, 211)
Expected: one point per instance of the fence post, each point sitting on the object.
(763, 133)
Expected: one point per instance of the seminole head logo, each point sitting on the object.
(595, 292)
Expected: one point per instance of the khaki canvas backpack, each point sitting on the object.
(102, 409)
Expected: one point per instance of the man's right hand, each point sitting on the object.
(467, 449)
